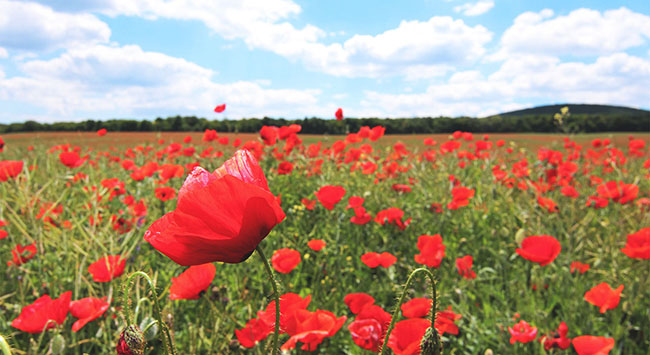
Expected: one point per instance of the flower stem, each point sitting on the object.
(269, 271)
(434, 306)
(167, 339)
(6, 350)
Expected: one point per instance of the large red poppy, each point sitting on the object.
(406, 336)
(285, 260)
(431, 250)
(86, 310)
(10, 169)
(71, 159)
(542, 249)
(592, 345)
(330, 195)
(189, 284)
(107, 268)
(604, 297)
(34, 317)
(638, 244)
(221, 216)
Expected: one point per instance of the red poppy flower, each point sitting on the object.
(547, 204)
(219, 217)
(464, 266)
(165, 193)
(417, 307)
(366, 333)
(558, 339)
(638, 244)
(290, 303)
(101, 132)
(316, 244)
(357, 301)
(209, 135)
(255, 330)
(461, 196)
(377, 132)
(285, 260)
(10, 169)
(522, 332)
(34, 317)
(339, 114)
(360, 217)
(374, 260)
(569, 191)
(403, 188)
(446, 322)
(392, 215)
(406, 336)
(285, 168)
(71, 159)
(22, 254)
(269, 134)
(3, 234)
(220, 108)
(604, 297)
(189, 284)
(86, 310)
(2, 144)
(431, 250)
(618, 191)
(592, 345)
(107, 268)
(330, 195)
(576, 265)
(542, 249)
(311, 328)
(309, 204)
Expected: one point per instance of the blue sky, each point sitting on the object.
(69, 60)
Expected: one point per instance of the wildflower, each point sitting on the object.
(542, 249)
(191, 282)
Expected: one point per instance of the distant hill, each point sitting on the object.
(576, 109)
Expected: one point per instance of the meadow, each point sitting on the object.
(538, 243)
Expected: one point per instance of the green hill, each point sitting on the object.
(576, 109)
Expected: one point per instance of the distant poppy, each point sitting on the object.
(446, 322)
(403, 188)
(34, 317)
(569, 191)
(285, 260)
(417, 307)
(373, 260)
(618, 191)
(377, 132)
(406, 336)
(71, 159)
(316, 244)
(464, 266)
(592, 345)
(330, 195)
(86, 310)
(638, 244)
(604, 297)
(431, 250)
(309, 204)
(101, 132)
(339, 114)
(541, 249)
(191, 282)
(209, 135)
(358, 301)
(3, 234)
(312, 328)
(22, 254)
(354, 202)
(107, 268)
(220, 108)
(165, 193)
(392, 215)
(10, 169)
(461, 196)
(285, 168)
(522, 332)
(2, 144)
(360, 217)
(269, 134)
(580, 267)
(547, 203)
(558, 339)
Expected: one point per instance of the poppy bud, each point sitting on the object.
(430, 344)
(131, 341)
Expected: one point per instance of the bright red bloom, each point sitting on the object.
(269, 134)
(316, 244)
(101, 132)
(354, 202)
(569, 191)
(220, 108)
(221, 216)
(311, 328)
(542, 249)
(191, 282)
(576, 265)
(33, 318)
(638, 244)
(360, 217)
(446, 322)
(431, 250)
(330, 195)
(107, 268)
(558, 339)
(373, 260)
(366, 333)
(22, 254)
(309, 204)
(71, 159)
(86, 310)
(522, 332)
(339, 114)
(461, 196)
(2, 144)
(618, 191)
(592, 345)
(285, 168)
(403, 188)
(10, 169)
(604, 297)
(417, 307)
(464, 266)
(392, 215)
(285, 260)
(254, 331)
(209, 135)
(406, 336)
(358, 301)
(165, 193)
(547, 204)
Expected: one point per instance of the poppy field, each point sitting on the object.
(181, 243)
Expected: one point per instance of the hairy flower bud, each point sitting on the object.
(131, 341)
(430, 344)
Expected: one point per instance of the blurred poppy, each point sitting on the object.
(569, 191)
(417, 307)
(316, 244)
(354, 202)
(461, 196)
(220, 108)
(309, 204)
(269, 134)
(2, 144)
(392, 215)
(102, 132)
(522, 332)
(580, 267)
(558, 339)
(10, 169)
(191, 282)
(330, 195)
(431, 250)
(339, 114)
(107, 268)
(311, 328)
(638, 244)
(34, 317)
(285, 168)
(604, 297)
(618, 191)
(209, 135)
(373, 260)
(22, 254)
(464, 266)
(71, 159)
(446, 321)
(86, 310)
(360, 217)
(357, 301)
(285, 260)
(406, 336)
(165, 193)
(547, 204)
(221, 216)
(592, 345)
(541, 249)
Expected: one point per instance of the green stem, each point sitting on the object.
(6, 350)
(167, 341)
(434, 306)
(269, 271)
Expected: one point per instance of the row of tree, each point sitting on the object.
(576, 123)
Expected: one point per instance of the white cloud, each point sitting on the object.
(475, 8)
(3, 53)
(34, 27)
(583, 32)
(105, 81)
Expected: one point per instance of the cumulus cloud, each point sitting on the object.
(475, 8)
(583, 32)
(33, 27)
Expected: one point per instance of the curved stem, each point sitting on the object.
(167, 339)
(434, 306)
(269, 271)
(6, 350)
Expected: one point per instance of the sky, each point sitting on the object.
(71, 60)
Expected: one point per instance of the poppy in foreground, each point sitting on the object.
(34, 317)
(541, 249)
(638, 244)
(406, 336)
(193, 281)
(285, 260)
(86, 310)
(219, 216)
(107, 268)
(604, 297)
(10, 169)
(417, 307)
(592, 345)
